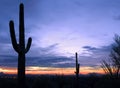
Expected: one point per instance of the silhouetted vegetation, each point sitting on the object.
(112, 66)
(20, 48)
(77, 71)
(62, 81)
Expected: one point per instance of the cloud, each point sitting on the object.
(89, 48)
(48, 61)
(8, 61)
(39, 56)
(92, 56)
(94, 49)
(41, 61)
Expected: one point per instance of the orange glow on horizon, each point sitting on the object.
(8, 70)
(50, 70)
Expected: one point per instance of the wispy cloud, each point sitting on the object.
(92, 56)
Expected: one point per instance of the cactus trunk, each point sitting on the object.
(20, 48)
(21, 71)
(77, 66)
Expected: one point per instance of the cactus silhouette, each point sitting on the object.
(77, 70)
(20, 48)
(77, 66)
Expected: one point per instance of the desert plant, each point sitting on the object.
(77, 70)
(20, 48)
(77, 66)
(113, 66)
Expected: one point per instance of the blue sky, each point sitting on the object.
(59, 28)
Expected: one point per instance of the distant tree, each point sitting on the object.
(112, 67)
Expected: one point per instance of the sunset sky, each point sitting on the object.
(59, 28)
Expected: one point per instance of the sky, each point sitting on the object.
(59, 28)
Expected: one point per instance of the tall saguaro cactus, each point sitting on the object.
(77, 70)
(20, 48)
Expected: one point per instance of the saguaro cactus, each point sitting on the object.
(20, 48)
(77, 66)
(77, 70)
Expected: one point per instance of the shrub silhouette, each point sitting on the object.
(20, 48)
(112, 67)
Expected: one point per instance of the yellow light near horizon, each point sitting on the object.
(49, 70)
(86, 70)
(8, 70)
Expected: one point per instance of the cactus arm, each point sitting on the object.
(28, 45)
(13, 38)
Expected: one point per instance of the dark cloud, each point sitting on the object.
(102, 48)
(47, 57)
(48, 61)
(89, 48)
(42, 61)
(8, 60)
(38, 56)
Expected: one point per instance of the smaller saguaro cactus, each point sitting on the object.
(77, 65)
(77, 70)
